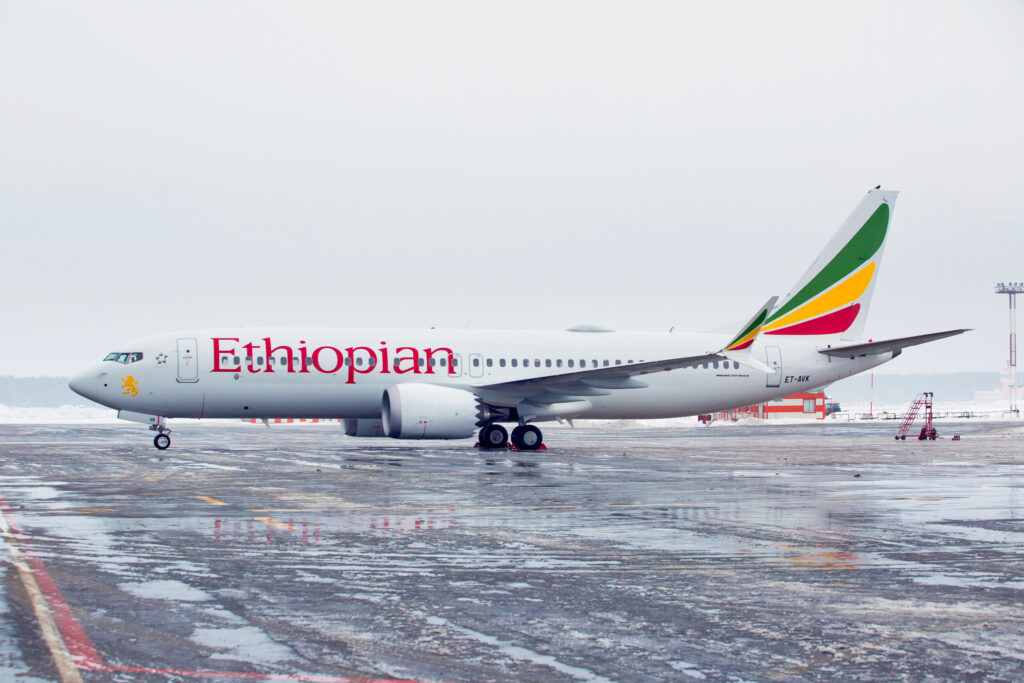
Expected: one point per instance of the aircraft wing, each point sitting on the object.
(569, 386)
(886, 345)
(611, 377)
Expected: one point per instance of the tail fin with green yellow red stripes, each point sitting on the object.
(833, 296)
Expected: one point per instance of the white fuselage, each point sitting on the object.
(330, 375)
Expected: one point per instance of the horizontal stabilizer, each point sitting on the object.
(886, 345)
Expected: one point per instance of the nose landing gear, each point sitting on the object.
(161, 440)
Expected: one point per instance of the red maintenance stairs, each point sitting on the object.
(928, 432)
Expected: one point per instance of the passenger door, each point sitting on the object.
(773, 355)
(188, 360)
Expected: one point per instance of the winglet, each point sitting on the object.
(750, 331)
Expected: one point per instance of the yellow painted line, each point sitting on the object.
(94, 511)
(452, 508)
(66, 668)
(211, 501)
(277, 525)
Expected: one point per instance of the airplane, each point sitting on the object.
(452, 384)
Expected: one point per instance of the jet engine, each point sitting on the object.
(428, 411)
(363, 427)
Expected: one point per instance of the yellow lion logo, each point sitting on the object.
(129, 386)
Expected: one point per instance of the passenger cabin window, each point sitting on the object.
(570, 362)
(547, 363)
(515, 362)
(501, 363)
(490, 362)
(606, 363)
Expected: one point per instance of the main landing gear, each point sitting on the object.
(527, 438)
(161, 440)
(493, 436)
(524, 437)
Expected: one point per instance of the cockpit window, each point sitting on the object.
(124, 357)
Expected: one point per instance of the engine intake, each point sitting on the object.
(428, 411)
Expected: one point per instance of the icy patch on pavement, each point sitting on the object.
(687, 669)
(166, 589)
(520, 653)
(244, 644)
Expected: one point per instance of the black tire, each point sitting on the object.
(493, 436)
(162, 441)
(527, 438)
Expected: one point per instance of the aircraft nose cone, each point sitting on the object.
(84, 384)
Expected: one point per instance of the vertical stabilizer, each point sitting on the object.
(833, 296)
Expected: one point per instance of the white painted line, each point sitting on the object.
(51, 634)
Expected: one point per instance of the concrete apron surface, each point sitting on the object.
(294, 553)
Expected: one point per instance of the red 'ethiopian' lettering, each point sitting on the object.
(330, 360)
(217, 351)
(353, 369)
(339, 359)
(430, 356)
(414, 359)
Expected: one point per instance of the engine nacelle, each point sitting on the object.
(427, 411)
(363, 427)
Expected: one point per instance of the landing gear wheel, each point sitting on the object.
(527, 438)
(493, 436)
(162, 441)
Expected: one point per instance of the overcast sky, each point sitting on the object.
(511, 165)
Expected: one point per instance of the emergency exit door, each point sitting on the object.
(774, 358)
(188, 360)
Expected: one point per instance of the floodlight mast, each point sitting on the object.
(1012, 289)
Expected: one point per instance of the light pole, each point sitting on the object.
(1012, 289)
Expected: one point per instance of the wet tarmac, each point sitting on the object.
(736, 553)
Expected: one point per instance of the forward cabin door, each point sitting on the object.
(773, 356)
(188, 360)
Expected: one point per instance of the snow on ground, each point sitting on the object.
(63, 414)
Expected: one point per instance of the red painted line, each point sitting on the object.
(82, 651)
(87, 658)
(250, 676)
